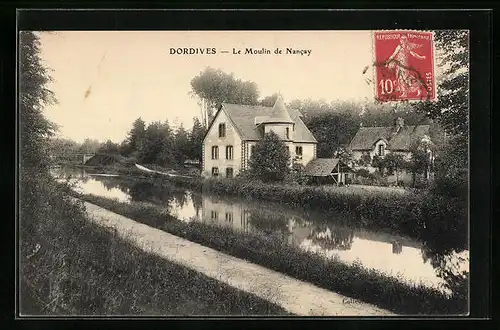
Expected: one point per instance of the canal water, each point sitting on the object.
(329, 236)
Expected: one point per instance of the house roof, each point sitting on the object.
(366, 137)
(321, 166)
(279, 114)
(243, 117)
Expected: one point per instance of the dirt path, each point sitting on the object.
(295, 296)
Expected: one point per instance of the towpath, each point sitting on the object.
(297, 297)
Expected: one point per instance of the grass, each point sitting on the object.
(275, 253)
(69, 266)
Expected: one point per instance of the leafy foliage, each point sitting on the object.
(269, 101)
(135, 136)
(214, 86)
(109, 147)
(196, 139)
(270, 160)
(157, 147)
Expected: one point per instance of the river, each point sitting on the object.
(329, 236)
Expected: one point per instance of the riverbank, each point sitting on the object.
(70, 266)
(275, 253)
(421, 215)
(296, 297)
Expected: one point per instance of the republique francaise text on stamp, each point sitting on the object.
(404, 66)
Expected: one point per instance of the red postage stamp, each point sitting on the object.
(404, 66)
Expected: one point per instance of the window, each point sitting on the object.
(222, 130)
(214, 215)
(215, 152)
(381, 149)
(215, 171)
(252, 150)
(229, 152)
(288, 133)
(229, 217)
(229, 172)
(298, 151)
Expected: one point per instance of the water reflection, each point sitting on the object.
(309, 230)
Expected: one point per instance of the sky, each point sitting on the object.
(104, 80)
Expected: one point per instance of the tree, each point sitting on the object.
(136, 135)
(34, 133)
(451, 111)
(89, 146)
(365, 160)
(109, 147)
(157, 145)
(451, 168)
(34, 129)
(269, 101)
(182, 148)
(394, 164)
(419, 161)
(452, 107)
(213, 87)
(332, 130)
(196, 139)
(61, 146)
(378, 162)
(270, 161)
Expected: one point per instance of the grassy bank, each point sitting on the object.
(69, 266)
(275, 253)
(420, 215)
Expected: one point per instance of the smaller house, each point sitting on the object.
(380, 141)
(327, 171)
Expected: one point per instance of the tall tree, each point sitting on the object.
(213, 87)
(136, 134)
(182, 148)
(196, 139)
(270, 160)
(451, 111)
(452, 106)
(157, 145)
(34, 131)
(34, 95)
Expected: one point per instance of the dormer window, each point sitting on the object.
(381, 149)
(222, 130)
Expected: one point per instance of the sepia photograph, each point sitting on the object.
(243, 173)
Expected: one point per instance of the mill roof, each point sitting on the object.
(244, 118)
(366, 137)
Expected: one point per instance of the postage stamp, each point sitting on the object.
(404, 66)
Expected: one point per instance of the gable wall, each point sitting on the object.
(212, 139)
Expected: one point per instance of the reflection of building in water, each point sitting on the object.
(397, 247)
(215, 211)
(243, 217)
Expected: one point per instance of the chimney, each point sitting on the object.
(398, 124)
